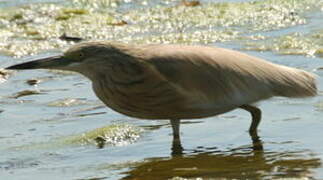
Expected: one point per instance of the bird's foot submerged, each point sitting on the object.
(177, 148)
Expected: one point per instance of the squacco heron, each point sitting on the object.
(177, 81)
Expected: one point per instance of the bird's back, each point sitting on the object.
(229, 69)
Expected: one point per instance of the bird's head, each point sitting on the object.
(78, 58)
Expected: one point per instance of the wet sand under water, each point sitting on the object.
(48, 130)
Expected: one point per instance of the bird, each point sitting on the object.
(176, 82)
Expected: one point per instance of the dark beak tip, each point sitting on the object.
(36, 64)
(11, 68)
(16, 67)
(44, 63)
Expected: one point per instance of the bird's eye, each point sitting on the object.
(81, 55)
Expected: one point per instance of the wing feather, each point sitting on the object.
(214, 77)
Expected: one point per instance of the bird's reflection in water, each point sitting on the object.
(177, 148)
(239, 163)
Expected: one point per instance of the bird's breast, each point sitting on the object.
(141, 99)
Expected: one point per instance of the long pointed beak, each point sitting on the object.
(54, 62)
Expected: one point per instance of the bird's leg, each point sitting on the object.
(175, 125)
(256, 118)
(177, 148)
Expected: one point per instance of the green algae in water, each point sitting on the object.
(97, 4)
(36, 28)
(17, 16)
(309, 44)
(67, 102)
(197, 37)
(42, 27)
(319, 52)
(111, 135)
(74, 11)
(248, 16)
(67, 13)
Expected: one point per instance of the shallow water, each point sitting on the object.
(49, 132)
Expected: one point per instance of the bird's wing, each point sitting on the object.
(212, 76)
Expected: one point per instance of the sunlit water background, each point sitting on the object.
(36, 130)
